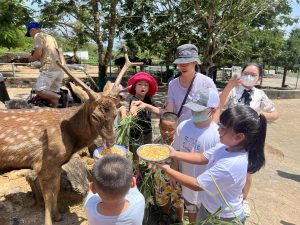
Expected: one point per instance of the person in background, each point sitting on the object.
(242, 91)
(242, 137)
(143, 87)
(121, 109)
(51, 75)
(114, 198)
(197, 134)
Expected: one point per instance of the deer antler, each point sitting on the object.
(61, 63)
(114, 91)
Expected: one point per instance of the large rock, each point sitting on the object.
(9, 57)
(73, 180)
(2, 106)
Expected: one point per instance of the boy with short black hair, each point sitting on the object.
(167, 196)
(114, 197)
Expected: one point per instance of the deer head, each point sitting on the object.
(101, 105)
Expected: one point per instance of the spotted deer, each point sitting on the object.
(44, 139)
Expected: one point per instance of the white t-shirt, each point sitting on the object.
(176, 93)
(259, 102)
(133, 216)
(189, 138)
(229, 169)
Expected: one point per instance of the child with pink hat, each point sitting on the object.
(143, 87)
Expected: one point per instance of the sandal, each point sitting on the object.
(164, 220)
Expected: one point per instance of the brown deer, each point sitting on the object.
(44, 139)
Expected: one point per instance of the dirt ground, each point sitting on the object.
(274, 197)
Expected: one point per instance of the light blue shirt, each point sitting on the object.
(133, 216)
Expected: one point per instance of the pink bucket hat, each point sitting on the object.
(143, 76)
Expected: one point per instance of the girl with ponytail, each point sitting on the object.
(241, 149)
(241, 90)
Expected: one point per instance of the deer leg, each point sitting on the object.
(50, 185)
(56, 187)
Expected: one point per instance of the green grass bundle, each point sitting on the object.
(124, 127)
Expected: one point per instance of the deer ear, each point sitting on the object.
(79, 92)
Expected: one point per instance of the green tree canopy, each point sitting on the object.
(160, 26)
(13, 16)
(92, 19)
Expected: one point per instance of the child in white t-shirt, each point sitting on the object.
(242, 136)
(197, 134)
(114, 198)
(242, 91)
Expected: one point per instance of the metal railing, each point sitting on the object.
(12, 68)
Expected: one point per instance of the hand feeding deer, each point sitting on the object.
(44, 139)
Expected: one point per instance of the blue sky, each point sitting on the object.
(295, 13)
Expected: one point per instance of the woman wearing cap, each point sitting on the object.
(241, 91)
(143, 87)
(187, 61)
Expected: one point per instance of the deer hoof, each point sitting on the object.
(58, 217)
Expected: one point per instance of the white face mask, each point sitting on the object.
(248, 80)
(198, 117)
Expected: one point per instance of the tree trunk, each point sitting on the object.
(102, 78)
(76, 59)
(103, 61)
(284, 77)
(206, 64)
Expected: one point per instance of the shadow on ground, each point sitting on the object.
(286, 223)
(291, 176)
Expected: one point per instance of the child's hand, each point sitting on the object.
(151, 167)
(172, 151)
(138, 104)
(163, 165)
(133, 109)
(135, 105)
(233, 82)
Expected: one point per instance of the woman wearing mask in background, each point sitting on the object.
(241, 91)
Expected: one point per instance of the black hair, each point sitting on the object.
(133, 88)
(169, 116)
(112, 174)
(259, 67)
(243, 119)
(197, 67)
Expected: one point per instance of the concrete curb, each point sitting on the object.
(282, 94)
